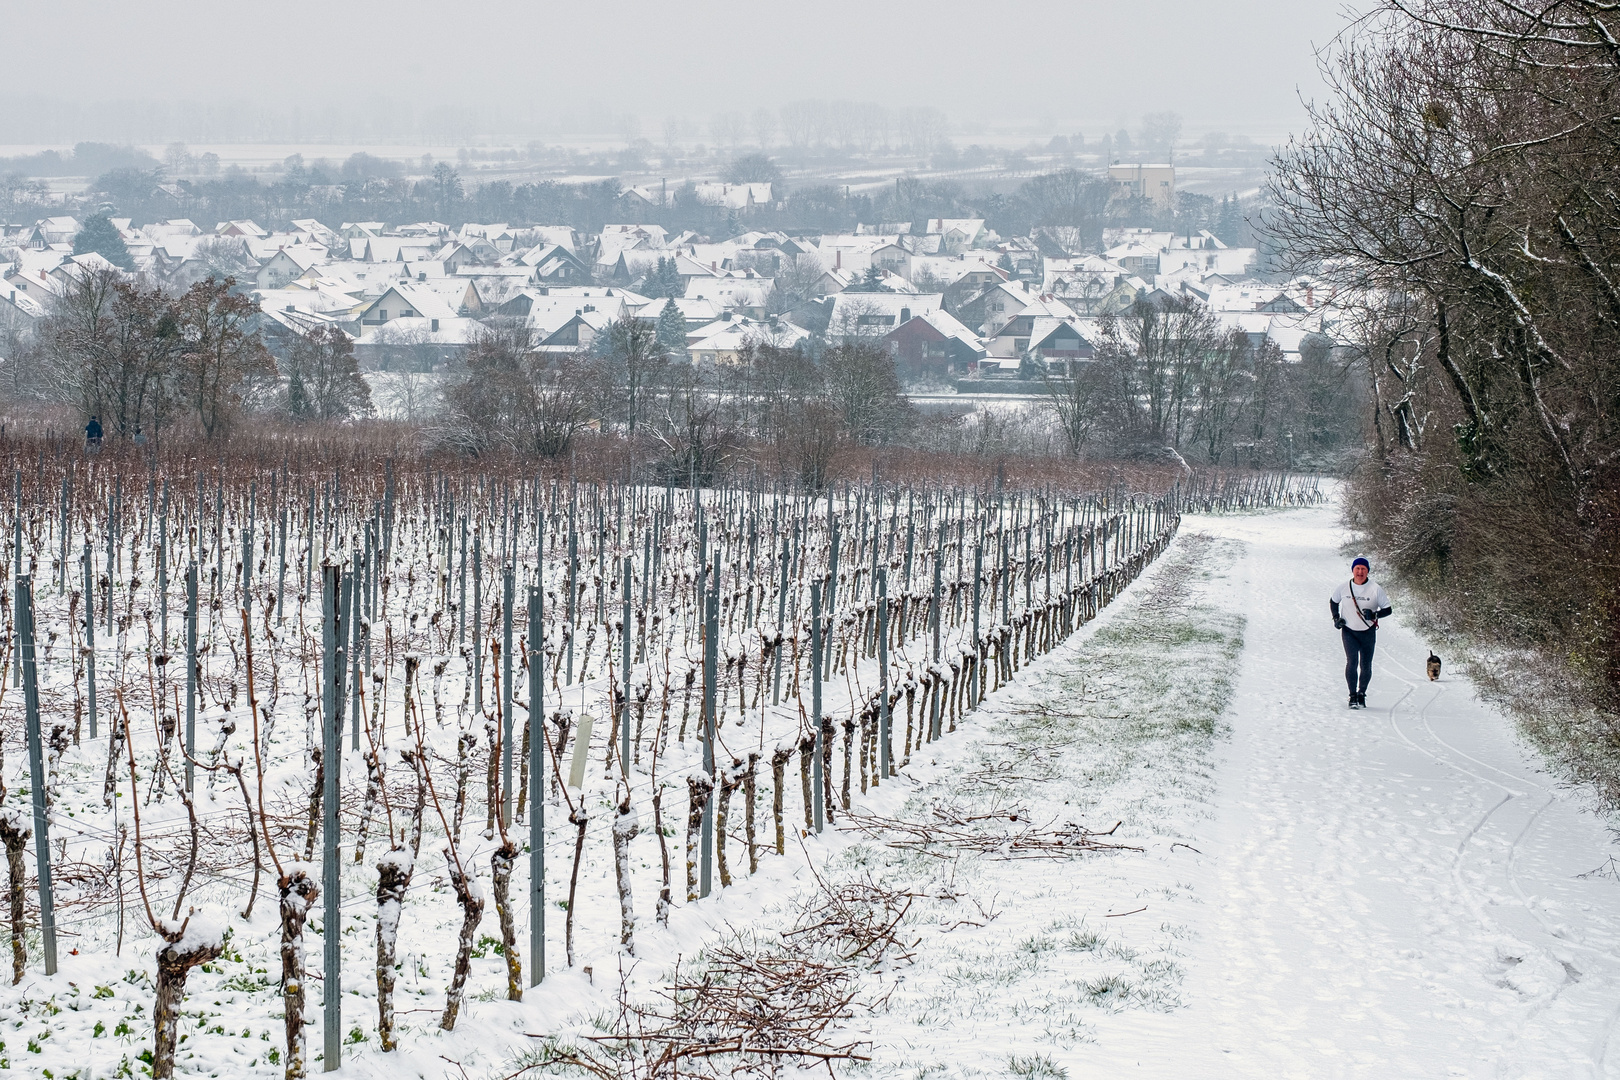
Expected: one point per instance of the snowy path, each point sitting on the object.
(1395, 892)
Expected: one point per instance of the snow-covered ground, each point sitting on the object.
(1317, 892)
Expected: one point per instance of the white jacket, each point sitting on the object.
(1351, 598)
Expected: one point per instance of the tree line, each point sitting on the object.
(1459, 187)
(376, 190)
(1169, 379)
(143, 361)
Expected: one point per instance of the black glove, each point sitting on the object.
(1369, 614)
(1338, 623)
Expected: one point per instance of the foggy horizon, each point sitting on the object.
(372, 75)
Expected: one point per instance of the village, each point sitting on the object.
(955, 304)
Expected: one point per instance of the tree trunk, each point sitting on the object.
(698, 788)
(580, 817)
(663, 851)
(807, 749)
(501, 878)
(749, 792)
(14, 831)
(471, 899)
(394, 872)
(393, 879)
(314, 820)
(779, 760)
(374, 782)
(174, 962)
(298, 893)
(730, 775)
(625, 826)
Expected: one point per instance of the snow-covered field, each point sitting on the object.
(1299, 890)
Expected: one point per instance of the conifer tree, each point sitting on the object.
(101, 236)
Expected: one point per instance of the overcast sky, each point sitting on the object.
(1235, 65)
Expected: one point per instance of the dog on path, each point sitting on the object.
(1434, 666)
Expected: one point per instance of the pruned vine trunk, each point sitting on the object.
(471, 899)
(626, 824)
(174, 962)
(500, 864)
(298, 894)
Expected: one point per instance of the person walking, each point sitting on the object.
(92, 435)
(1357, 605)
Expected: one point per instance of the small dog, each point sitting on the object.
(1434, 666)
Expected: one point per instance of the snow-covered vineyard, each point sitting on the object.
(276, 724)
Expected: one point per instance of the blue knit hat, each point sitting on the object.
(1361, 560)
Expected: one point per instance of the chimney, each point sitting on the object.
(839, 265)
(905, 315)
(421, 275)
(435, 326)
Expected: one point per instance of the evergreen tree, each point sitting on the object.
(1229, 223)
(870, 281)
(101, 236)
(672, 327)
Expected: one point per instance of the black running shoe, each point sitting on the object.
(1355, 701)
(1361, 701)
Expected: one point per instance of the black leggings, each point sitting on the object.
(1358, 651)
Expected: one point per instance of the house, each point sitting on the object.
(547, 235)
(933, 344)
(20, 310)
(744, 294)
(547, 307)
(697, 311)
(1233, 262)
(645, 196)
(1081, 282)
(1014, 338)
(407, 300)
(459, 293)
(244, 228)
(956, 235)
(554, 264)
(578, 332)
(286, 265)
(1156, 183)
(891, 257)
(436, 231)
(455, 255)
(55, 230)
(874, 315)
(845, 251)
(726, 340)
(976, 272)
(998, 305)
(414, 343)
(1120, 298)
(1059, 343)
(75, 267)
(743, 197)
(500, 238)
